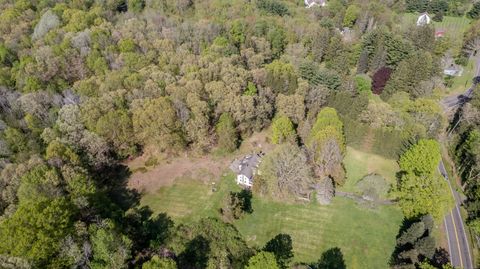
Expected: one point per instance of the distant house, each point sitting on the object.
(423, 19)
(453, 70)
(311, 3)
(347, 34)
(247, 169)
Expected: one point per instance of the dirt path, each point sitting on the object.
(205, 169)
(359, 198)
(368, 141)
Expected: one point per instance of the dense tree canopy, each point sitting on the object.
(86, 86)
(421, 190)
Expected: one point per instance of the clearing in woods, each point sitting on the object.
(164, 174)
(365, 235)
(205, 169)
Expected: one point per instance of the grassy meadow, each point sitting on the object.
(454, 27)
(358, 164)
(366, 236)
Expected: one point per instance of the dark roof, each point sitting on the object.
(249, 164)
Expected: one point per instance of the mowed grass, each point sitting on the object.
(359, 164)
(366, 237)
(463, 82)
(190, 199)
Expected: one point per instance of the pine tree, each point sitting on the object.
(362, 66)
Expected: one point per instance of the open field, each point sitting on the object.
(190, 199)
(454, 27)
(365, 236)
(358, 164)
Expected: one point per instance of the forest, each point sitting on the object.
(88, 85)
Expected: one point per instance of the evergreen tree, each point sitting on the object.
(226, 132)
(281, 247)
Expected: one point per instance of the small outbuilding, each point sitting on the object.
(423, 19)
(439, 33)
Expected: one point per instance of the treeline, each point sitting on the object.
(86, 84)
(464, 131)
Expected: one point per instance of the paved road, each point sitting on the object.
(458, 246)
(453, 101)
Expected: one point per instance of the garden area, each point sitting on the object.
(363, 233)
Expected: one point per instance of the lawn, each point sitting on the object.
(190, 199)
(462, 83)
(365, 236)
(454, 27)
(358, 164)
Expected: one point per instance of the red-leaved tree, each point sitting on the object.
(380, 79)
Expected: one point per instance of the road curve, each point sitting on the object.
(458, 246)
(453, 101)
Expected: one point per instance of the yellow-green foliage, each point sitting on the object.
(328, 124)
(421, 190)
(282, 130)
(281, 77)
(422, 158)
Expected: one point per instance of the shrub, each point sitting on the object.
(363, 83)
(373, 186)
(152, 161)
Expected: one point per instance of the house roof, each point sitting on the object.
(310, 3)
(439, 33)
(423, 19)
(249, 164)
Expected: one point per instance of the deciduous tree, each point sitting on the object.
(155, 123)
(262, 260)
(282, 130)
(34, 231)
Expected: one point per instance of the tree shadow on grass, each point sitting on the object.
(195, 255)
(332, 259)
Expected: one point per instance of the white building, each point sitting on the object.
(247, 169)
(423, 19)
(311, 3)
(453, 70)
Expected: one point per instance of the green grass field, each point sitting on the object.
(454, 27)
(190, 199)
(462, 83)
(365, 236)
(358, 164)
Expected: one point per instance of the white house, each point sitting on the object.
(311, 3)
(453, 70)
(247, 168)
(423, 19)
